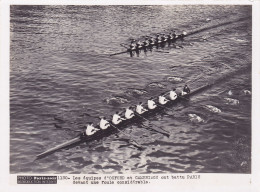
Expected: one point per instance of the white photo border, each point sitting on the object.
(212, 182)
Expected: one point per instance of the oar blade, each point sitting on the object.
(118, 53)
(160, 130)
(61, 146)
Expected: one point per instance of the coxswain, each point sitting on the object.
(151, 104)
(117, 119)
(185, 90)
(140, 109)
(162, 100)
(90, 130)
(129, 113)
(103, 124)
(173, 95)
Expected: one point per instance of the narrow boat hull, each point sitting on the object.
(111, 130)
(160, 43)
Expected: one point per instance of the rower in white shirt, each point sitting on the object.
(151, 104)
(129, 113)
(117, 119)
(140, 109)
(103, 124)
(162, 100)
(90, 130)
(173, 95)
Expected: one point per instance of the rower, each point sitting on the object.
(132, 45)
(173, 94)
(184, 33)
(158, 39)
(162, 100)
(117, 119)
(174, 35)
(140, 109)
(170, 36)
(90, 130)
(129, 113)
(103, 124)
(146, 42)
(186, 90)
(163, 37)
(151, 104)
(151, 40)
(139, 44)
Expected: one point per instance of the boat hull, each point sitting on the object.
(116, 128)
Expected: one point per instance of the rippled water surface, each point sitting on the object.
(63, 77)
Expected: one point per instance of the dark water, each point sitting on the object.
(62, 74)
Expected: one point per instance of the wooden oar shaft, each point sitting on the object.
(164, 107)
(183, 97)
(63, 145)
(164, 131)
(125, 134)
(123, 45)
(119, 53)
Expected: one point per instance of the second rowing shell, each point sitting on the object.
(150, 45)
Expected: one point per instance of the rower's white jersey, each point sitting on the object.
(116, 119)
(162, 100)
(140, 109)
(103, 124)
(129, 114)
(173, 95)
(90, 130)
(151, 104)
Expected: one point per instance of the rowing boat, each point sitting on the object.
(144, 47)
(136, 119)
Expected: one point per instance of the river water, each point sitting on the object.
(62, 77)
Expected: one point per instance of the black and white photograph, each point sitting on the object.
(130, 89)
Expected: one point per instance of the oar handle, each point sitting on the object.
(141, 116)
(164, 107)
(114, 127)
(126, 135)
(183, 97)
(147, 120)
(123, 45)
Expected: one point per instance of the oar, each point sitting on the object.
(195, 80)
(162, 131)
(118, 53)
(164, 107)
(58, 147)
(183, 97)
(137, 144)
(163, 51)
(123, 45)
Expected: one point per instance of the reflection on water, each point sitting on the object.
(63, 77)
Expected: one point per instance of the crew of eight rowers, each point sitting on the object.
(158, 39)
(129, 113)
